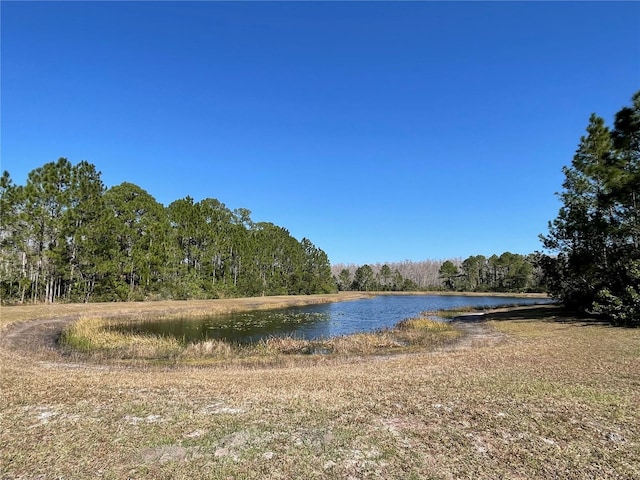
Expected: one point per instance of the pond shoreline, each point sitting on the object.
(35, 329)
(366, 314)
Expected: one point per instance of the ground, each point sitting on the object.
(528, 393)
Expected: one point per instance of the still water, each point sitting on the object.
(317, 321)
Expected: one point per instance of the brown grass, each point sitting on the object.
(557, 398)
(102, 339)
(92, 335)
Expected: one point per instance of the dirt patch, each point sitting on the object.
(167, 453)
(34, 336)
(477, 332)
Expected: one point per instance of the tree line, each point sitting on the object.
(595, 239)
(508, 272)
(65, 237)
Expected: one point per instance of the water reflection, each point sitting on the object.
(317, 321)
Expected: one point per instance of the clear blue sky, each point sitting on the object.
(380, 131)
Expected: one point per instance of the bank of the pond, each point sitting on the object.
(97, 339)
(465, 294)
(11, 314)
(37, 328)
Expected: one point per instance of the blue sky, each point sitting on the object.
(380, 131)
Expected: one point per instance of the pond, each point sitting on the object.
(318, 321)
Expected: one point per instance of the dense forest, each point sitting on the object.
(509, 272)
(66, 237)
(596, 235)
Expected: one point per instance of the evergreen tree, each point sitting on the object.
(14, 281)
(596, 233)
(217, 247)
(363, 278)
(384, 277)
(317, 269)
(87, 240)
(344, 279)
(187, 256)
(46, 201)
(449, 272)
(140, 228)
(473, 268)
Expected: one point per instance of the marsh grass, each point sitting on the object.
(207, 348)
(94, 335)
(424, 324)
(103, 339)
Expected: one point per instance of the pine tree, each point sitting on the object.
(596, 234)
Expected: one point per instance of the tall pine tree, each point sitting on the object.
(595, 236)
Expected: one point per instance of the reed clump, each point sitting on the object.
(207, 348)
(424, 323)
(367, 343)
(424, 332)
(96, 336)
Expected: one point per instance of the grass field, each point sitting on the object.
(541, 395)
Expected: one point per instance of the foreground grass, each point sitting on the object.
(558, 398)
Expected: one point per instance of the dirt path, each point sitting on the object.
(477, 332)
(34, 336)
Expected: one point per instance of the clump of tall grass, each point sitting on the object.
(426, 332)
(208, 348)
(366, 343)
(423, 323)
(283, 345)
(94, 335)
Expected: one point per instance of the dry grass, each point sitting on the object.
(103, 340)
(93, 336)
(425, 324)
(208, 348)
(557, 399)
